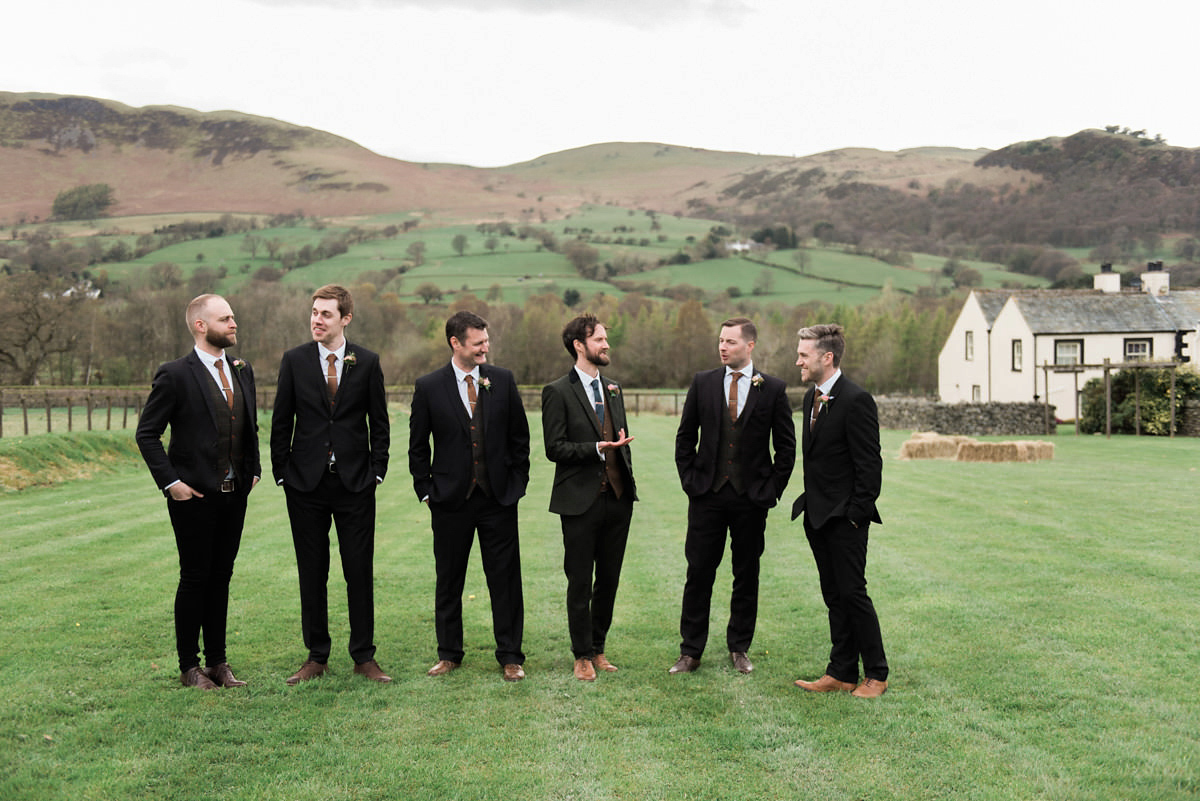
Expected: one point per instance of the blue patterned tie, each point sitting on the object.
(599, 400)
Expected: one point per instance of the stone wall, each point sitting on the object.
(966, 419)
(1189, 424)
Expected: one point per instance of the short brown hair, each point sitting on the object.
(459, 322)
(345, 300)
(580, 329)
(196, 309)
(749, 329)
(830, 338)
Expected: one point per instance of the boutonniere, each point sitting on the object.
(613, 390)
(350, 359)
(238, 364)
(825, 400)
(756, 381)
(486, 383)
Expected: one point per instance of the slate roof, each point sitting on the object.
(1095, 312)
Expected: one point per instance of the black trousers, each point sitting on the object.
(208, 533)
(710, 516)
(840, 551)
(594, 545)
(454, 527)
(353, 513)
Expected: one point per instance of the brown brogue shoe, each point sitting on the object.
(309, 670)
(372, 671)
(195, 677)
(870, 688)
(584, 669)
(513, 672)
(222, 674)
(442, 667)
(601, 662)
(685, 664)
(825, 684)
(741, 662)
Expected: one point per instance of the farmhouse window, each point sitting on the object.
(976, 394)
(970, 346)
(1016, 356)
(1068, 351)
(1139, 350)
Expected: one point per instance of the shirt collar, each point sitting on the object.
(825, 388)
(460, 374)
(587, 379)
(340, 352)
(208, 359)
(746, 371)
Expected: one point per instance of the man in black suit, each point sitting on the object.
(583, 425)
(731, 418)
(843, 471)
(329, 449)
(206, 473)
(471, 479)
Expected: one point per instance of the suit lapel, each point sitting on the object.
(454, 400)
(746, 385)
(585, 400)
(203, 379)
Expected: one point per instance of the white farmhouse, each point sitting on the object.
(1003, 339)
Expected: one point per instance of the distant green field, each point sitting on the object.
(520, 267)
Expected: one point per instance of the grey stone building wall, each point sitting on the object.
(966, 419)
(1189, 424)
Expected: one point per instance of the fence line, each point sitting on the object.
(107, 408)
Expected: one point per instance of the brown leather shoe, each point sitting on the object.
(741, 662)
(685, 664)
(870, 688)
(601, 662)
(309, 670)
(585, 670)
(443, 667)
(513, 672)
(825, 684)
(372, 671)
(222, 674)
(195, 677)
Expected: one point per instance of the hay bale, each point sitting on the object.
(1017, 451)
(931, 445)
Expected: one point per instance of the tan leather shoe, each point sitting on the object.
(601, 662)
(195, 677)
(825, 684)
(309, 670)
(222, 674)
(585, 670)
(870, 688)
(372, 671)
(513, 672)
(685, 664)
(443, 667)
(741, 662)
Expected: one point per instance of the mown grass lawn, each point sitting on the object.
(1041, 621)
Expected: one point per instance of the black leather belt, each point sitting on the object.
(228, 485)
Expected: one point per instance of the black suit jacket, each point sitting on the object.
(305, 426)
(843, 469)
(766, 419)
(443, 473)
(181, 397)
(571, 430)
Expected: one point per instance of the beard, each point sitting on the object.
(221, 341)
(598, 358)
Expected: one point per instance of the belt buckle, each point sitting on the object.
(332, 467)
(227, 485)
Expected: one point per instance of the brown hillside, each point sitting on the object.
(169, 159)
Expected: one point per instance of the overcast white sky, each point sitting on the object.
(494, 82)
